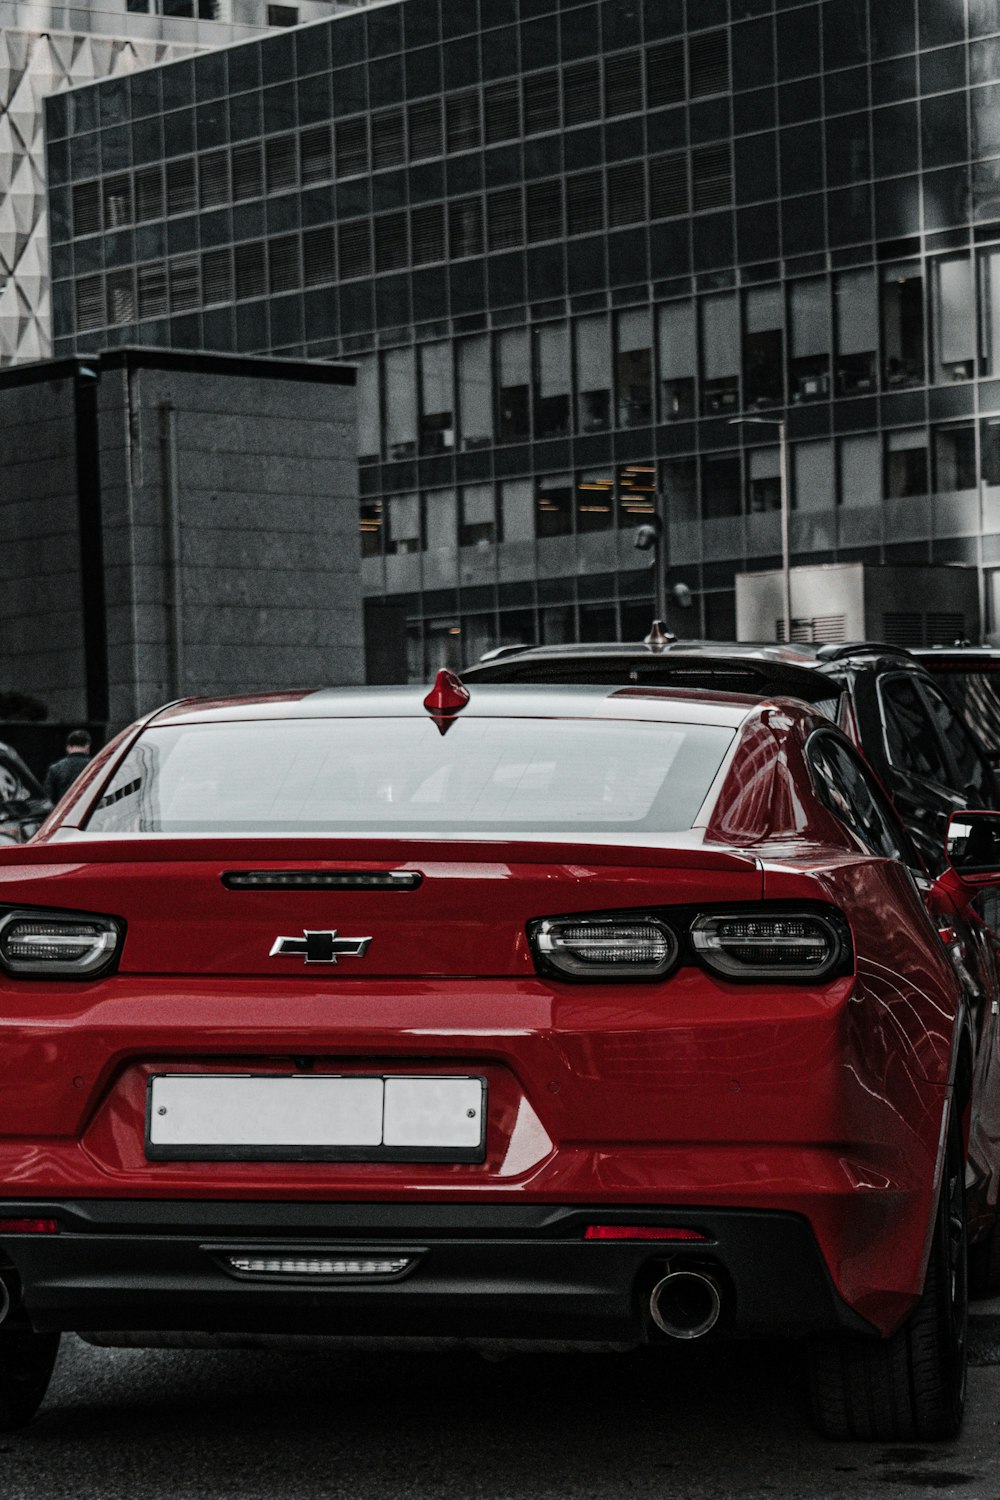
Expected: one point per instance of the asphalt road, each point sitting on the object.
(719, 1422)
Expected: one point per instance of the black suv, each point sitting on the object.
(908, 730)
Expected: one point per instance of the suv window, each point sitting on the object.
(847, 789)
(972, 775)
(911, 739)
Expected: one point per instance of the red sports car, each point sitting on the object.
(531, 1018)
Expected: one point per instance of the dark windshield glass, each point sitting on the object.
(403, 775)
(977, 696)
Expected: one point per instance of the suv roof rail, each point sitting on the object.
(853, 648)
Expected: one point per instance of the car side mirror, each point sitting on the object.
(972, 847)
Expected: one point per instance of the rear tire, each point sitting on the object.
(26, 1363)
(912, 1385)
(984, 1262)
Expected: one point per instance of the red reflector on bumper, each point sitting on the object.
(29, 1226)
(638, 1232)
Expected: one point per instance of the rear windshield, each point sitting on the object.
(394, 775)
(977, 697)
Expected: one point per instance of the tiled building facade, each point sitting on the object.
(567, 244)
(51, 46)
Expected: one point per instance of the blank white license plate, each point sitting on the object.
(310, 1117)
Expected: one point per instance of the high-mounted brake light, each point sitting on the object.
(447, 697)
(65, 945)
(29, 1226)
(640, 1232)
(322, 880)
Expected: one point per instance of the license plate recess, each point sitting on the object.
(315, 1117)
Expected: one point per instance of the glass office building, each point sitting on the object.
(567, 244)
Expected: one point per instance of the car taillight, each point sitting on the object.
(786, 945)
(63, 945)
(599, 948)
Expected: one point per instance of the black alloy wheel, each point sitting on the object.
(912, 1384)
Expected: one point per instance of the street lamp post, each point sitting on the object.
(786, 571)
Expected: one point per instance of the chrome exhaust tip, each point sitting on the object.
(685, 1304)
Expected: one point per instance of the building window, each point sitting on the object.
(627, 193)
(668, 185)
(636, 493)
(462, 123)
(541, 102)
(465, 228)
(554, 506)
(184, 283)
(585, 203)
(182, 196)
(391, 248)
(441, 526)
(902, 326)
(680, 490)
(665, 82)
(763, 480)
(372, 523)
(388, 140)
(989, 287)
(369, 410)
(720, 486)
(282, 15)
(720, 353)
(149, 195)
(517, 510)
(477, 522)
(712, 176)
(954, 319)
(152, 292)
(634, 369)
(812, 465)
(281, 157)
(402, 531)
(955, 458)
(678, 361)
(906, 464)
(595, 497)
(475, 392)
(544, 210)
(217, 276)
(213, 179)
(763, 348)
(593, 365)
(425, 129)
(856, 313)
(427, 233)
(354, 249)
(285, 269)
(352, 147)
(316, 155)
(708, 63)
(437, 399)
(117, 202)
(502, 110)
(400, 403)
(860, 485)
(623, 83)
(513, 386)
(504, 219)
(582, 93)
(551, 380)
(319, 256)
(809, 367)
(251, 277)
(247, 173)
(121, 297)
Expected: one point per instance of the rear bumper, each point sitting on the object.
(478, 1272)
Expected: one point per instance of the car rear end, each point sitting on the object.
(343, 1019)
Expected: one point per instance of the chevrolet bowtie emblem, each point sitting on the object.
(320, 947)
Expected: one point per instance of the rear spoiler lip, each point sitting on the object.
(321, 851)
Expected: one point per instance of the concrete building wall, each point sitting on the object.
(219, 549)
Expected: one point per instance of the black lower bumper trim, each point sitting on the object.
(481, 1272)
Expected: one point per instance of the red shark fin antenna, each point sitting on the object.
(447, 697)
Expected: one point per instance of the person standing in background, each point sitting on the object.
(62, 773)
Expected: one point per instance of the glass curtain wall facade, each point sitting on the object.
(566, 245)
